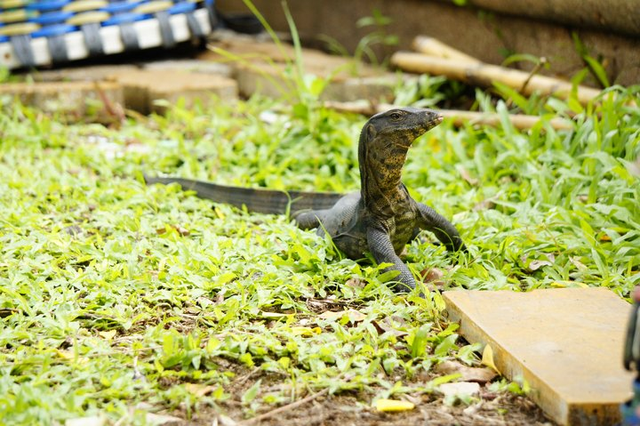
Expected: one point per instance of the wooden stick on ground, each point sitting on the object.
(519, 121)
(434, 47)
(484, 75)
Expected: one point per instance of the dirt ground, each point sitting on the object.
(354, 409)
(504, 409)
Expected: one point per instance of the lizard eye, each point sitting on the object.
(395, 116)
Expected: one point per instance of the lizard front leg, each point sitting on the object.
(444, 231)
(382, 250)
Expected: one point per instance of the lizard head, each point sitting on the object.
(384, 142)
(387, 136)
(399, 127)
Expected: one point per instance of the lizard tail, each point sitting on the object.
(267, 201)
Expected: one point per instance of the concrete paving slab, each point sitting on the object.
(63, 97)
(80, 73)
(566, 343)
(191, 65)
(143, 87)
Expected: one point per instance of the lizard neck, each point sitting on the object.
(381, 177)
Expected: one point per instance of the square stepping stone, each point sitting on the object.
(566, 343)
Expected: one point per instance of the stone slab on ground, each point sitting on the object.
(80, 73)
(260, 67)
(566, 343)
(191, 65)
(63, 97)
(142, 88)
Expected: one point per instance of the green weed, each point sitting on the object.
(119, 299)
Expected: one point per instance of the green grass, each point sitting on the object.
(113, 293)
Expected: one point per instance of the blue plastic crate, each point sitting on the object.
(44, 32)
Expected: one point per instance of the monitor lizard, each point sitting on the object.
(381, 218)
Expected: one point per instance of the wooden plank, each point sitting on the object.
(566, 343)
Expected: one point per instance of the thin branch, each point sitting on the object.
(519, 121)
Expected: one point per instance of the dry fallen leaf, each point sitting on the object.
(464, 173)
(199, 390)
(459, 388)
(385, 326)
(534, 265)
(355, 282)
(353, 315)
(161, 419)
(473, 409)
(390, 405)
(223, 420)
(468, 374)
(432, 274)
(486, 204)
(432, 278)
(87, 421)
(182, 231)
(107, 335)
(331, 315)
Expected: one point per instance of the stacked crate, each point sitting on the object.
(43, 32)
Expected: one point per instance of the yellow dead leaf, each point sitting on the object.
(306, 331)
(107, 335)
(487, 358)
(66, 354)
(70, 355)
(568, 284)
(331, 315)
(219, 213)
(353, 315)
(390, 405)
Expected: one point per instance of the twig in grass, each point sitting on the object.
(247, 376)
(533, 72)
(284, 408)
(114, 110)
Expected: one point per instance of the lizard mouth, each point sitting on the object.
(434, 122)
